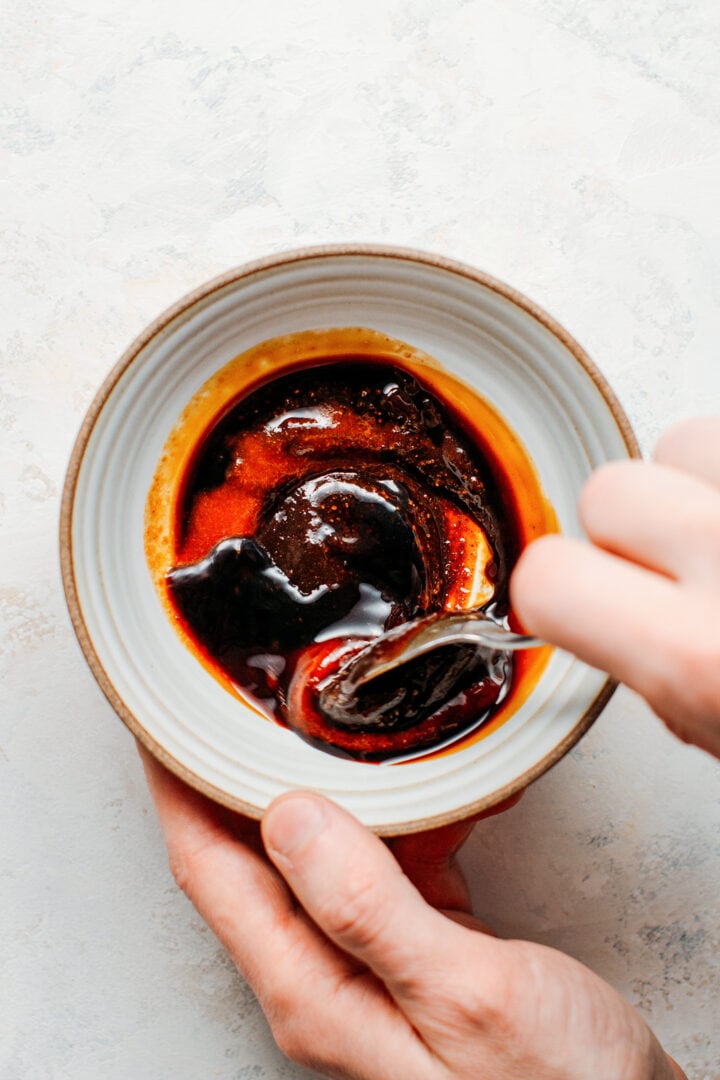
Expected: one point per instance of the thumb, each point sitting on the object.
(352, 888)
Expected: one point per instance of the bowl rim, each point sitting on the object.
(156, 326)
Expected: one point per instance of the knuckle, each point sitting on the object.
(188, 864)
(180, 870)
(698, 666)
(496, 1001)
(356, 917)
(278, 1003)
(700, 673)
(480, 994)
(473, 1006)
(702, 530)
(672, 445)
(687, 689)
(297, 1033)
(486, 1008)
(292, 1039)
(603, 486)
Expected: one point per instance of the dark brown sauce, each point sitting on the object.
(323, 507)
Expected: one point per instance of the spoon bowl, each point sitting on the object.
(411, 640)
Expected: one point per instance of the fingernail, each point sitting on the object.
(292, 824)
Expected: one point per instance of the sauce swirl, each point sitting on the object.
(329, 499)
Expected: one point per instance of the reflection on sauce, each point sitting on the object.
(324, 488)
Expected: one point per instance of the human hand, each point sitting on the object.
(358, 972)
(642, 600)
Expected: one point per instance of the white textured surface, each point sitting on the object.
(571, 148)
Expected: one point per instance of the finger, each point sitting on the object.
(613, 615)
(235, 890)
(694, 447)
(676, 1068)
(179, 806)
(310, 992)
(656, 516)
(351, 886)
(239, 895)
(429, 859)
(659, 638)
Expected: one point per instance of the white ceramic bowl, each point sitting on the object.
(514, 354)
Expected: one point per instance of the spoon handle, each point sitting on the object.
(398, 647)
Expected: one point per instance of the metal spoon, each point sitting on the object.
(410, 640)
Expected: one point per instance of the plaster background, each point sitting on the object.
(570, 148)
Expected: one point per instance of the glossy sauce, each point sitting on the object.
(335, 495)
